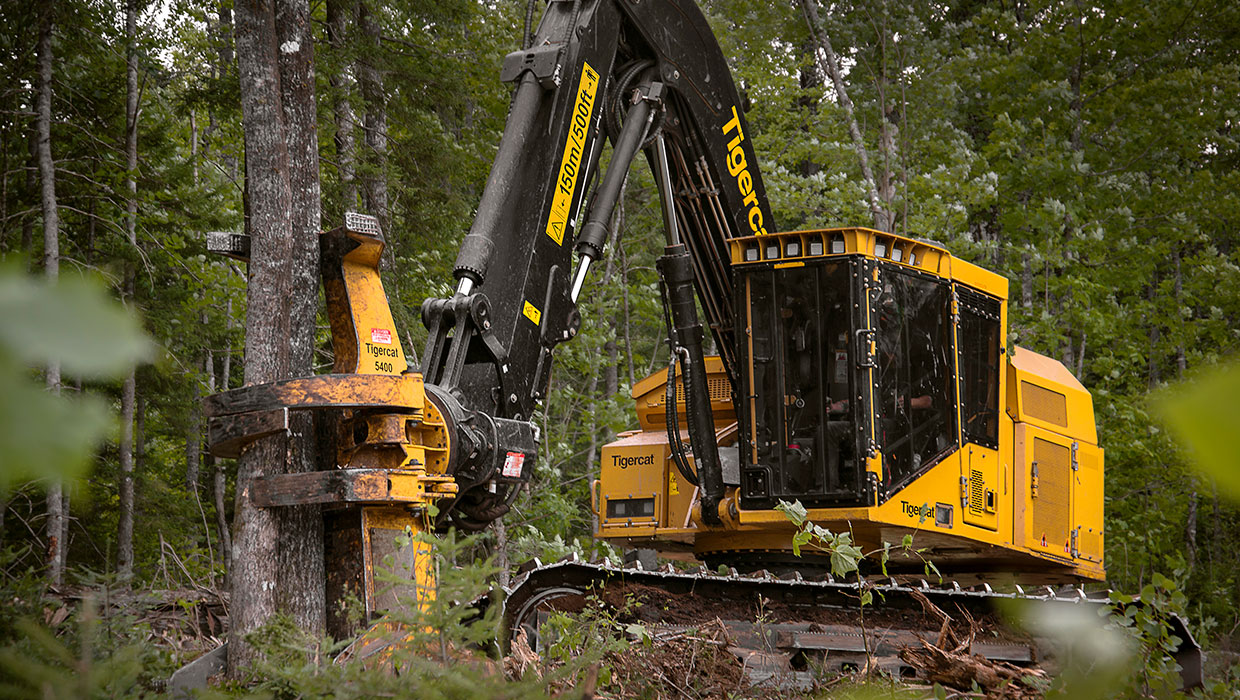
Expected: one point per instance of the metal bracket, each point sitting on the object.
(864, 341)
(230, 245)
(543, 61)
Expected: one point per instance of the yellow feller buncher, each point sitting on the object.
(866, 375)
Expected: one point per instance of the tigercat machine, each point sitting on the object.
(866, 375)
(877, 388)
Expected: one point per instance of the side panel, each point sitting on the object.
(1059, 503)
(980, 474)
(1046, 463)
(633, 481)
(1087, 510)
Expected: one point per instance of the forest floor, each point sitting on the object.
(648, 656)
(706, 662)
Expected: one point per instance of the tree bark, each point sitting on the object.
(193, 145)
(219, 483)
(374, 183)
(124, 529)
(628, 319)
(193, 442)
(55, 523)
(1181, 358)
(501, 552)
(302, 593)
(374, 180)
(338, 12)
(831, 66)
(32, 184)
(1026, 280)
(124, 535)
(254, 567)
(1190, 529)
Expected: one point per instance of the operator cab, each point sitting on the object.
(847, 366)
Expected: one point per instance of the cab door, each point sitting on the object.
(978, 350)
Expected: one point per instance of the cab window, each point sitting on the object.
(915, 403)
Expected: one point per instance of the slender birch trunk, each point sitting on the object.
(124, 536)
(831, 66)
(56, 514)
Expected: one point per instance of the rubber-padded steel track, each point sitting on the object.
(780, 622)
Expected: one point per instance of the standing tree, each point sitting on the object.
(301, 528)
(275, 59)
(56, 515)
(124, 544)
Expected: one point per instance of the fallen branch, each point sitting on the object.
(961, 671)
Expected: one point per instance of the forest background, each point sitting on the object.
(1086, 151)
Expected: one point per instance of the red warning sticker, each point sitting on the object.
(512, 464)
(381, 335)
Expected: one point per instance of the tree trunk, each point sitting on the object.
(628, 319)
(501, 552)
(254, 567)
(219, 483)
(193, 442)
(124, 529)
(338, 12)
(831, 66)
(193, 145)
(1181, 358)
(124, 535)
(374, 183)
(302, 593)
(55, 523)
(1190, 529)
(1154, 335)
(32, 184)
(374, 180)
(1026, 280)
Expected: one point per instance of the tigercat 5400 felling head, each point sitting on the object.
(877, 387)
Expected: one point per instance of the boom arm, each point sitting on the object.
(651, 76)
(517, 253)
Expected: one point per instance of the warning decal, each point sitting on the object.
(532, 313)
(381, 335)
(512, 464)
(574, 151)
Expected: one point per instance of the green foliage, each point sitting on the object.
(51, 669)
(1203, 414)
(440, 648)
(96, 652)
(74, 324)
(1086, 153)
(846, 557)
(588, 636)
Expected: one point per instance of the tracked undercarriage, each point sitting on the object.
(789, 630)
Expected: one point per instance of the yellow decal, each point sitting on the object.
(574, 149)
(780, 266)
(673, 486)
(532, 313)
(739, 169)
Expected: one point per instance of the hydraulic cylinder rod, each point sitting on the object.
(676, 269)
(594, 233)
